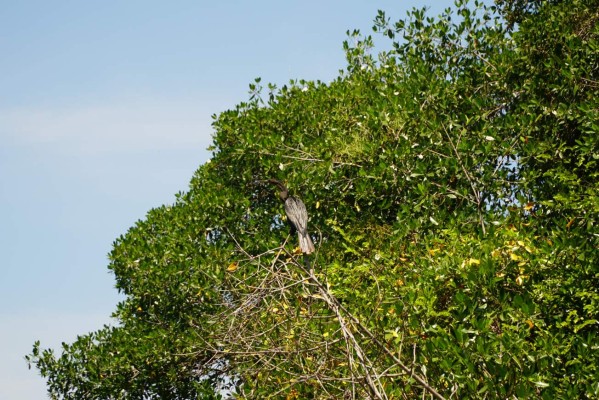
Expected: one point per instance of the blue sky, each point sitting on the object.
(105, 113)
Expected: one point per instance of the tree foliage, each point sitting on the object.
(452, 188)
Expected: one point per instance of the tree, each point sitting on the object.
(452, 188)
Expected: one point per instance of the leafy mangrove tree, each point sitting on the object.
(451, 183)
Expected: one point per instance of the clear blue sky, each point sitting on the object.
(105, 113)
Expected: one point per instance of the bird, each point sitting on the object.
(297, 217)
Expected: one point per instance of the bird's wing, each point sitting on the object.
(297, 214)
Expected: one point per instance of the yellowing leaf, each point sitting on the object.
(318, 204)
(473, 261)
(529, 206)
(515, 257)
(232, 267)
(530, 324)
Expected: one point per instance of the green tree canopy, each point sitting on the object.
(451, 184)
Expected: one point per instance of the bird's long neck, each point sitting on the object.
(284, 194)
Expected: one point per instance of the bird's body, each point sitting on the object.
(297, 215)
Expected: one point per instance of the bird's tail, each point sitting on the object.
(305, 243)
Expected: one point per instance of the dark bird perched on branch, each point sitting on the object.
(297, 217)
